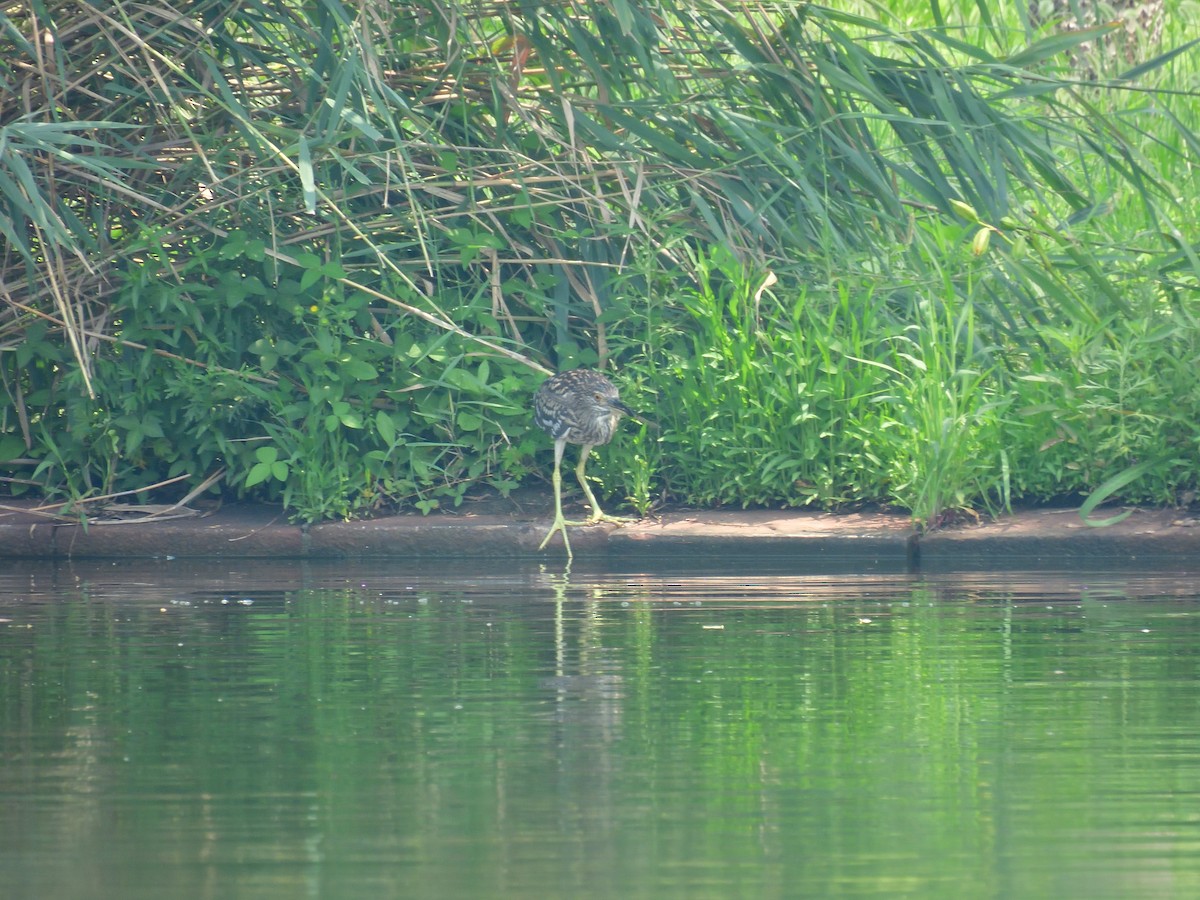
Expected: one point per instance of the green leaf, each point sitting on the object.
(386, 427)
(1110, 487)
(468, 421)
(1151, 64)
(358, 369)
(258, 473)
(307, 180)
(1057, 43)
(311, 277)
(11, 447)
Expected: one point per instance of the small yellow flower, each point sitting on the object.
(314, 308)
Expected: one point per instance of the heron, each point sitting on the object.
(579, 406)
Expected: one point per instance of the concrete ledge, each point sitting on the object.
(881, 537)
(1061, 537)
(1042, 537)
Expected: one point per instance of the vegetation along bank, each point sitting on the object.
(322, 254)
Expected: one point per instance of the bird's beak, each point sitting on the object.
(636, 416)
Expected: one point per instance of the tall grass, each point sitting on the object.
(327, 250)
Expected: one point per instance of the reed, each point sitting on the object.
(330, 249)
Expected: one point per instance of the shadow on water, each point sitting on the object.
(710, 728)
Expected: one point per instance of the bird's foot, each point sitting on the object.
(597, 517)
(560, 524)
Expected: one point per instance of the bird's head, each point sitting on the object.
(618, 406)
(612, 403)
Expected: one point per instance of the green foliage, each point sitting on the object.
(330, 249)
(944, 414)
(757, 399)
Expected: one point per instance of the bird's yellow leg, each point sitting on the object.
(598, 515)
(560, 524)
(560, 521)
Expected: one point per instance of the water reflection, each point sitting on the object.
(253, 729)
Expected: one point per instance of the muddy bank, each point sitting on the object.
(511, 528)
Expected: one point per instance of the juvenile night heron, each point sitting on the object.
(578, 407)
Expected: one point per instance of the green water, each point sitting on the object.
(225, 730)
